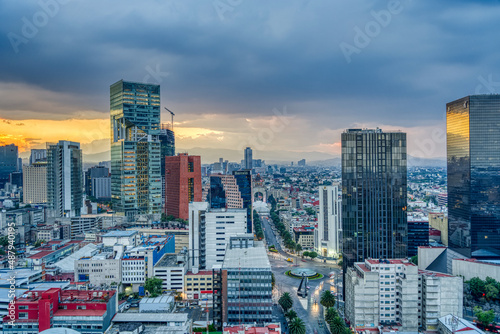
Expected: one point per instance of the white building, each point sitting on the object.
(99, 269)
(171, 270)
(35, 183)
(133, 271)
(394, 292)
(125, 238)
(209, 233)
(328, 238)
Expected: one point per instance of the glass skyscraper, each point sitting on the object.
(135, 148)
(473, 149)
(244, 182)
(8, 162)
(374, 185)
(216, 193)
(167, 148)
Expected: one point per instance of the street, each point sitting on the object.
(308, 309)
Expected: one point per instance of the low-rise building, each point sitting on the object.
(84, 311)
(470, 268)
(171, 269)
(304, 236)
(99, 269)
(450, 324)
(198, 286)
(125, 238)
(394, 292)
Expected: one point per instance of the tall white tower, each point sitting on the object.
(328, 235)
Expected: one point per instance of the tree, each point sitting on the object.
(337, 326)
(291, 314)
(313, 255)
(297, 326)
(327, 299)
(170, 218)
(477, 287)
(414, 260)
(286, 301)
(306, 253)
(484, 317)
(340, 263)
(331, 314)
(39, 242)
(153, 286)
(4, 241)
(298, 247)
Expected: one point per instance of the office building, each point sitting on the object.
(439, 221)
(244, 182)
(38, 155)
(328, 241)
(224, 192)
(395, 293)
(64, 178)
(473, 137)
(301, 163)
(198, 287)
(418, 235)
(8, 162)
(209, 233)
(167, 148)
(35, 183)
(94, 172)
(246, 283)
(374, 186)
(171, 269)
(135, 148)
(101, 187)
(182, 184)
(84, 311)
(248, 160)
(304, 236)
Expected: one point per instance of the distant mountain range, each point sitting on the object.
(211, 155)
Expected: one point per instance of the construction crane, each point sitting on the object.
(172, 114)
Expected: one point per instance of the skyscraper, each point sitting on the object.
(135, 148)
(8, 162)
(224, 192)
(328, 239)
(35, 183)
(38, 155)
(64, 178)
(374, 222)
(244, 182)
(94, 172)
(167, 148)
(182, 184)
(473, 146)
(248, 158)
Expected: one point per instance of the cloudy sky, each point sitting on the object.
(280, 76)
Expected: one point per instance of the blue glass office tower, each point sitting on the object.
(473, 152)
(374, 182)
(244, 181)
(135, 148)
(8, 162)
(217, 194)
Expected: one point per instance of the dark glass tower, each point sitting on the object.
(8, 162)
(473, 149)
(244, 182)
(216, 193)
(167, 148)
(374, 219)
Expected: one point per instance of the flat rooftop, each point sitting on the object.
(169, 260)
(120, 234)
(150, 317)
(252, 257)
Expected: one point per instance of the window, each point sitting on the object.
(81, 307)
(23, 315)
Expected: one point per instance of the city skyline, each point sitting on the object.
(289, 62)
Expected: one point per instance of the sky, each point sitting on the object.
(285, 77)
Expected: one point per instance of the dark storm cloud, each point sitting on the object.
(252, 56)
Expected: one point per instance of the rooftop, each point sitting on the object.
(150, 317)
(120, 234)
(169, 260)
(201, 272)
(390, 261)
(158, 300)
(433, 273)
(253, 257)
(455, 325)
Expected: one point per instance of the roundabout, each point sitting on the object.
(306, 272)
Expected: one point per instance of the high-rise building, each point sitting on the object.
(167, 148)
(209, 233)
(473, 148)
(246, 282)
(182, 184)
(64, 178)
(135, 148)
(224, 192)
(93, 172)
(8, 162)
(418, 235)
(248, 158)
(374, 222)
(328, 239)
(35, 183)
(244, 182)
(38, 155)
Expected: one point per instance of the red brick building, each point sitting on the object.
(182, 184)
(83, 311)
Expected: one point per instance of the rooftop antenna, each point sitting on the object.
(172, 114)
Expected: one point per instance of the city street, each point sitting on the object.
(308, 309)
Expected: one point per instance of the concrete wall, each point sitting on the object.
(469, 269)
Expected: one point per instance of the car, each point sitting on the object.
(134, 305)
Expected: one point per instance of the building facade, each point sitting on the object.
(374, 187)
(135, 148)
(418, 235)
(182, 184)
(329, 236)
(473, 153)
(64, 178)
(244, 182)
(224, 192)
(248, 160)
(35, 183)
(8, 162)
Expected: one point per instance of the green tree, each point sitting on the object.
(297, 326)
(484, 317)
(39, 242)
(327, 299)
(337, 326)
(340, 263)
(477, 287)
(313, 255)
(298, 247)
(170, 218)
(153, 286)
(286, 301)
(331, 314)
(414, 260)
(4, 241)
(305, 253)
(291, 314)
